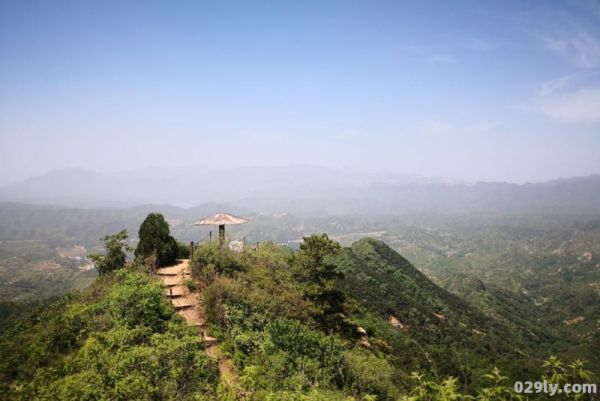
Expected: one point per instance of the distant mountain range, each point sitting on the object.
(305, 190)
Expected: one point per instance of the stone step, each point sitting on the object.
(171, 281)
(187, 305)
(192, 318)
(167, 274)
(208, 340)
(176, 292)
(170, 271)
(182, 303)
(182, 306)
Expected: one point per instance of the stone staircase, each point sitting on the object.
(186, 303)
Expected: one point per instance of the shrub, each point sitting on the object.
(135, 301)
(190, 284)
(309, 355)
(368, 373)
(221, 260)
(183, 250)
(224, 304)
(118, 340)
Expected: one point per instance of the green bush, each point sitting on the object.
(311, 357)
(224, 304)
(221, 260)
(183, 251)
(136, 302)
(369, 374)
(191, 285)
(119, 340)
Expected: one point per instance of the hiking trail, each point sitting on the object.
(188, 304)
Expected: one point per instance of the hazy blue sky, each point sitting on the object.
(475, 90)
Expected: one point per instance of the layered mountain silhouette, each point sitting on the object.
(305, 190)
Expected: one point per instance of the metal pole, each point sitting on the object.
(210, 238)
(221, 234)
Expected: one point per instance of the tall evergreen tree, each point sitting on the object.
(156, 240)
(318, 275)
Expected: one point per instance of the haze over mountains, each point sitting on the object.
(304, 190)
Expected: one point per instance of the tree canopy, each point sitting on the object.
(318, 275)
(115, 257)
(155, 240)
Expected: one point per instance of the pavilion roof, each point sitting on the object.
(218, 219)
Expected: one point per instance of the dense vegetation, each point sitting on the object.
(313, 321)
(33, 270)
(119, 340)
(287, 345)
(459, 339)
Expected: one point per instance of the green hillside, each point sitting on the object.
(448, 329)
(322, 322)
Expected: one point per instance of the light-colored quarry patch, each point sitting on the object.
(45, 265)
(87, 267)
(572, 322)
(174, 222)
(586, 257)
(76, 251)
(596, 287)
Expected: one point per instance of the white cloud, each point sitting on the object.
(444, 128)
(443, 59)
(558, 46)
(347, 134)
(581, 105)
(572, 98)
(432, 55)
(582, 48)
(479, 44)
(552, 86)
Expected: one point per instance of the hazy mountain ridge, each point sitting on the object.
(305, 190)
(59, 224)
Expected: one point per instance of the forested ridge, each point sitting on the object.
(323, 322)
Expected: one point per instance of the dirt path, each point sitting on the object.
(189, 306)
